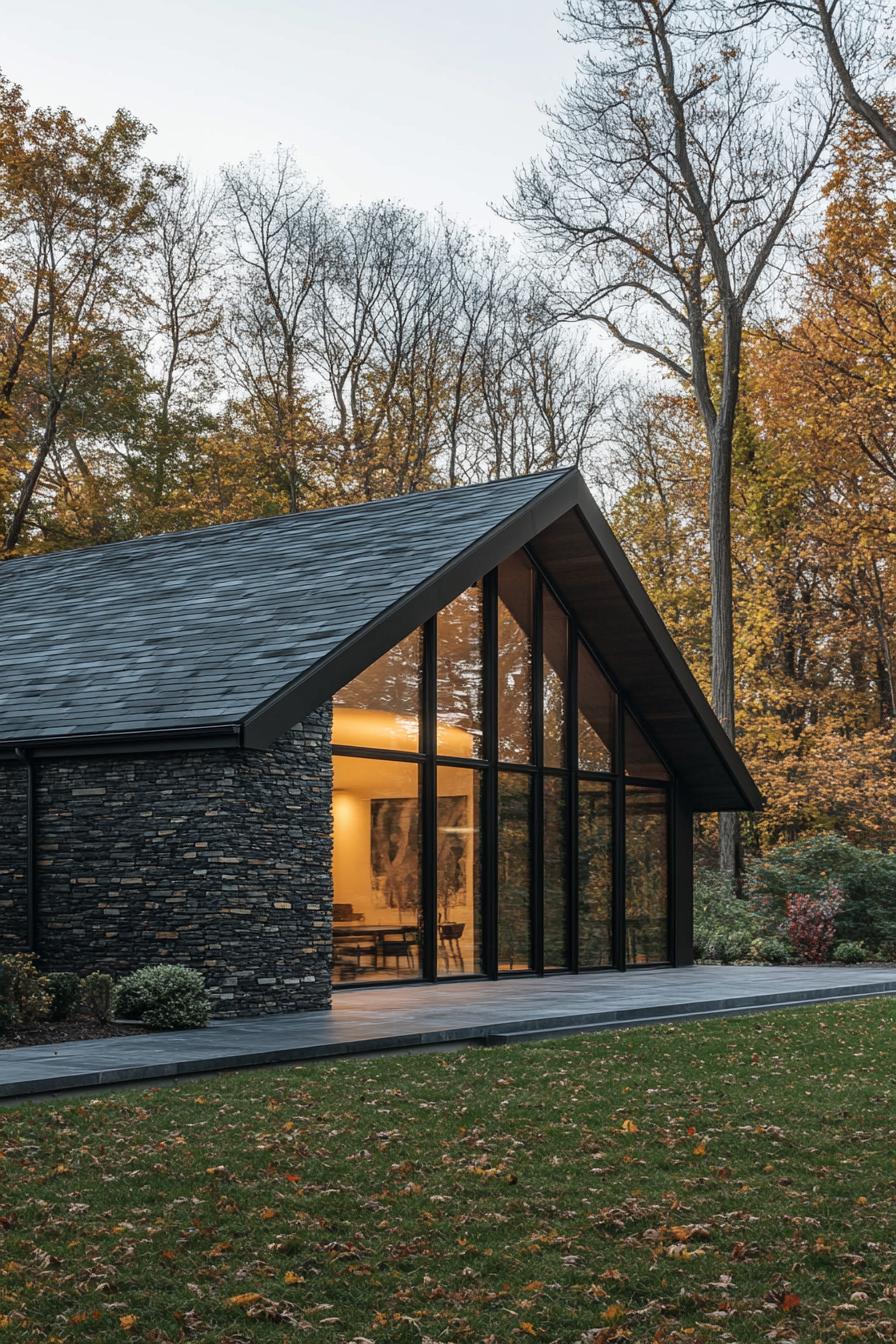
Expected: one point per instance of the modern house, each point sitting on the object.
(434, 736)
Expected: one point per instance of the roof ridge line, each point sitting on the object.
(282, 517)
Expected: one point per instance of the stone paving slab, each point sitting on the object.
(398, 1017)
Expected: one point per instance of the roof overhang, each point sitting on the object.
(572, 541)
(119, 744)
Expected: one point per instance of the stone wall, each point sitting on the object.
(219, 860)
(13, 881)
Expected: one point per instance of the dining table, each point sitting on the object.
(348, 930)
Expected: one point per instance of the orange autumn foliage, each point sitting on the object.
(814, 524)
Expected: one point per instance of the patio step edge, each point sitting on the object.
(735, 1009)
(686, 1007)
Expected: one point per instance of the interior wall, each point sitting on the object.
(357, 783)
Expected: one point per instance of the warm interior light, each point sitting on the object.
(382, 730)
(377, 828)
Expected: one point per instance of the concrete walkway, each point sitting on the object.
(365, 1020)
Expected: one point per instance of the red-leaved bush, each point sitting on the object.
(811, 923)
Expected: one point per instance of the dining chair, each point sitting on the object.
(449, 941)
(400, 945)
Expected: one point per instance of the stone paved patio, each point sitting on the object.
(366, 1020)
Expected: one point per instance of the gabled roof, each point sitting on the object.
(237, 631)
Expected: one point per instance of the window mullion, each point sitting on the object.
(430, 806)
(619, 930)
(490, 806)
(537, 804)
(572, 763)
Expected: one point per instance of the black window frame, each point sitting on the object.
(491, 767)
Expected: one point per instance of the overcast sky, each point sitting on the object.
(427, 101)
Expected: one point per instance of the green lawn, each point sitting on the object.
(714, 1181)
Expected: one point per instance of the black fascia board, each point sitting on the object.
(290, 705)
(215, 737)
(650, 620)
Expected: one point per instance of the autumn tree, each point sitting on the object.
(674, 174)
(174, 354)
(76, 205)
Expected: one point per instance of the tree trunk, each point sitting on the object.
(17, 522)
(722, 620)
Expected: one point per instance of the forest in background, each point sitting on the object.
(176, 354)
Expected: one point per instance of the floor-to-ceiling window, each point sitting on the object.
(555, 752)
(646, 851)
(496, 807)
(458, 634)
(596, 733)
(377, 827)
(516, 763)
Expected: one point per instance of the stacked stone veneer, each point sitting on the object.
(13, 888)
(220, 860)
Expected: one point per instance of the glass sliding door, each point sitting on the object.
(595, 874)
(458, 870)
(646, 876)
(514, 853)
(556, 874)
(377, 892)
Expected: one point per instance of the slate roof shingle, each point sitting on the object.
(195, 629)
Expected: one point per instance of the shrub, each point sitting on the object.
(166, 998)
(96, 995)
(850, 953)
(733, 946)
(867, 878)
(724, 925)
(770, 951)
(64, 988)
(28, 999)
(812, 922)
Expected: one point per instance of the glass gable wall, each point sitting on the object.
(496, 808)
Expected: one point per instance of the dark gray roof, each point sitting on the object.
(242, 628)
(191, 629)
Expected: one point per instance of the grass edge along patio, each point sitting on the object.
(442, 735)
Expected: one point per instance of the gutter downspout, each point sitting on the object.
(30, 765)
